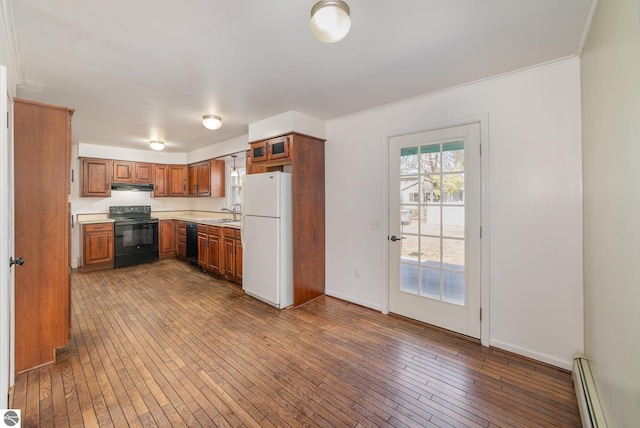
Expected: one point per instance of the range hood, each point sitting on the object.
(132, 187)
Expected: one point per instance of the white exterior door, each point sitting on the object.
(434, 227)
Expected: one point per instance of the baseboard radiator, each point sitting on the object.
(588, 402)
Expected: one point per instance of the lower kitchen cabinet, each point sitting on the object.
(166, 239)
(209, 251)
(97, 246)
(215, 253)
(233, 255)
(220, 252)
(181, 239)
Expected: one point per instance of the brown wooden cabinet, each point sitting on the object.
(207, 178)
(169, 180)
(274, 149)
(160, 180)
(215, 250)
(97, 246)
(306, 157)
(209, 249)
(232, 245)
(132, 172)
(181, 239)
(166, 239)
(217, 178)
(252, 167)
(95, 177)
(178, 180)
(199, 179)
(42, 145)
(203, 246)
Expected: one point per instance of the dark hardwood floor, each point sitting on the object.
(165, 345)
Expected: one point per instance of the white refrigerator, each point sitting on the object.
(267, 272)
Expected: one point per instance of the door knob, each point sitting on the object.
(19, 261)
(394, 238)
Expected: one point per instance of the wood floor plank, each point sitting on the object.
(164, 344)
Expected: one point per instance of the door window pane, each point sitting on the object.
(433, 218)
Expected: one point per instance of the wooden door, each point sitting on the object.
(41, 135)
(96, 178)
(160, 180)
(204, 179)
(229, 256)
(98, 244)
(215, 254)
(217, 178)
(166, 238)
(122, 171)
(203, 248)
(193, 180)
(178, 180)
(143, 173)
(238, 255)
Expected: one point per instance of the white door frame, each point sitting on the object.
(485, 265)
(6, 247)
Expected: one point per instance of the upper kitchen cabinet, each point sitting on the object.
(41, 159)
(305, 155)
(207, 178)
(169, 180)
(254, 168)
(178, 180)
(160, 180)
(274, 150)
(95, 177)
(217, 178)
(132, 172)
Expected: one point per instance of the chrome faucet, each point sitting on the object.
(234, 211)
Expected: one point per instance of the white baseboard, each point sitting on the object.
(74, 262)
(352, 300)
(563, 364)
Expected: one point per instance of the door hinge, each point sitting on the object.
(480, 314)
(480, 231)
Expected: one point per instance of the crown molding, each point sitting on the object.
(11, 45)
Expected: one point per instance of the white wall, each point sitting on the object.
(536, 303)
(611, 148)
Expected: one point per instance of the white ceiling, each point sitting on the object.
(146, 69)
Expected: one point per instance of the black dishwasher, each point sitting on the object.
(192, 242)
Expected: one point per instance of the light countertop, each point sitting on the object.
(203, 217)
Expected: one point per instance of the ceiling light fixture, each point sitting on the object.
(157, 145)
(234, 171)
(330, 20)
(211, 122)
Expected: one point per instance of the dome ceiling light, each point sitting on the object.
(330, 20)
(212, 122)
(157, 145)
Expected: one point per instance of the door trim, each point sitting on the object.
(485, 264)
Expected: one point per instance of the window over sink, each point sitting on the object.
(234, 186)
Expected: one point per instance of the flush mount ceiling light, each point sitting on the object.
(211, 122)
(157, 145)
(330, 20)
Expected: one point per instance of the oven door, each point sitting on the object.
(136, 236)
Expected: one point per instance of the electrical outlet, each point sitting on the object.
(374, 223)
